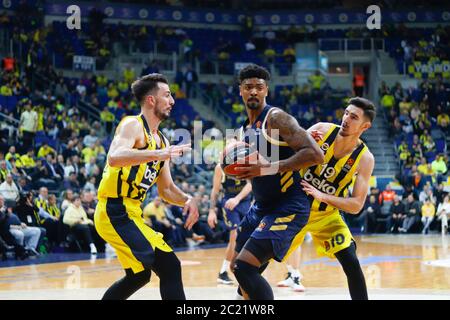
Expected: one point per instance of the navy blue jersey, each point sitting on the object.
(279, 191)
(231, 187)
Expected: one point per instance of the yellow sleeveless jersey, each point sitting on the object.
(334, 176)
(133, 181)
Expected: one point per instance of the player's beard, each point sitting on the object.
(160, 114)
(253, 104)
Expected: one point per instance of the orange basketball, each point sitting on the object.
(237, 154)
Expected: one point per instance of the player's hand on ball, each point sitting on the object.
(191, 209)
(262, 167)
(231, 203)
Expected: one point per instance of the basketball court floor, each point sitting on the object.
(403, 267)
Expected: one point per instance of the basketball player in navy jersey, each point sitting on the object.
(281, 207)
(234, 205)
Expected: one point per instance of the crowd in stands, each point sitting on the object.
(410, 46)
(410, 211)
(419, 119)
(419, 124)
(54, 43)
(101, 40)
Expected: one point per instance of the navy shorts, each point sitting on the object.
(280, 225)
(233, 218)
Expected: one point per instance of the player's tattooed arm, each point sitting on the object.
(307, 152)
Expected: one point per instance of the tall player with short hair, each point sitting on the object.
(348, 162)
(138, 158)
(281, 207)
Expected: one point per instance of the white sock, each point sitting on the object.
(290, 268)
(295, 273)
(93, 248)
(225, 266)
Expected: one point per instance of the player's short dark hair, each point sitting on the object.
(365, 104)
(146, 84)
(253, 71)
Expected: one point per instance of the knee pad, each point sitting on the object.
(243, 269)
(252, 282)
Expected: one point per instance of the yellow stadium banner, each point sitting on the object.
(429, 69)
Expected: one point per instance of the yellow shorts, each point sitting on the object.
(119, 222)
(330, 235)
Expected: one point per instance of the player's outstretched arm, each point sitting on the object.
(168, 191)
(245, 191)
(122, 153)
(217, 178)
(352, 204)
(307, 153)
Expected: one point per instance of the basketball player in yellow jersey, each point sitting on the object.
(138, 158)
(347, 158)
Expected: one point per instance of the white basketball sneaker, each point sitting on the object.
(288, 282)
(297, 285)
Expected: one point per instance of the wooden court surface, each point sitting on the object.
(395, 267)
